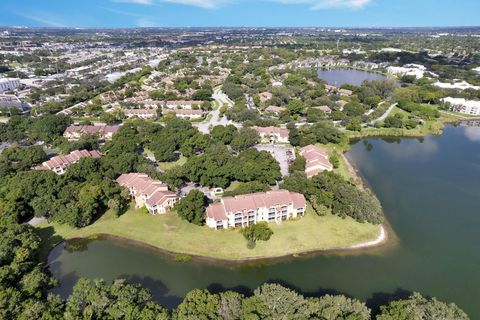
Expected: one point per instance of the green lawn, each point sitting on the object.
(343, 168)
(169, 232)
(164, 166)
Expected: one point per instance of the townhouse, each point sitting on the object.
(316, 160)
(272, 134)
(241, 211)
(59, 164)
(185, 113)
(276, 110)
(181, 104)
(104, 132)
(140, 113)
(152, 194)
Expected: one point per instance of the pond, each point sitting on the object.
(429, 188)
(337, 77)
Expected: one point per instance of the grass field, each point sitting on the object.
(164, 166)
(169, 232)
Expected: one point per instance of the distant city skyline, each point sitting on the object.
(240, 13)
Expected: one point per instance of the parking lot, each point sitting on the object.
(279, 152)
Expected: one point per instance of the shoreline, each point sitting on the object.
(381, 239)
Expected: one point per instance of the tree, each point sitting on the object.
(244, 139)
(418, 307)
(94, 299)
(295, 106)
(393, 122)
(223, 134)
(198, 304)
(163, 147)
(192, 207)
(258, 231)
(338, 307)
(354, 125)
(272, 301)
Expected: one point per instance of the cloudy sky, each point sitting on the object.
(191, 13)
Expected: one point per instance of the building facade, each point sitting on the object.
(147, 192)
(7, 84)
(316, 160)
(244, 210)
(272, 134)
(104, 132)
(59, 164)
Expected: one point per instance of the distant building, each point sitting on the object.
(316, 160)
(152, 194)
(104, 132)
(8, 84)
(9, 101)
(276, 110)
(462, 105)
(59, 164)
(272, 134)
(265, 96)
(185, 113)
(325, 109)
(140, 113)
(243, 210)
(78, 71)
(181, 104)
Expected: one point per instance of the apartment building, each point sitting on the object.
(272, 134)
(104, 132)
(59, 164)
(241, 211)
(7, 84)
(152, 194)
(317, 160)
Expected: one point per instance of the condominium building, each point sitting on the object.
(241, 211)
(104, 132)
(7, 84)
(316, 160)
(59, 164)
(185, 113)
(272, 134)
(152, 194)
(140, 113)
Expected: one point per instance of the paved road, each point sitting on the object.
(214, 119)
(385, 115)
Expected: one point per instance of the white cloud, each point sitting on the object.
(144, 2)
(44, 20)
(206, 4)
(330, 4)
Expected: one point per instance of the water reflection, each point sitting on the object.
(472, 133)
(418, 149)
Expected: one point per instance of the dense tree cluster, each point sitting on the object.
(330, 190)
(192, 207)
(322, 132)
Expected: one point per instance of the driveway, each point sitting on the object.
(213, 118)
(279, 152)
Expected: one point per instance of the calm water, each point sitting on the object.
(337, 77)
(430, 191)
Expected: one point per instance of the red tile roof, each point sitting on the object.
(156, 192)
(254, 201)
(72, 157)
(272, 131)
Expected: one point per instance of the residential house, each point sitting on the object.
(241, 211)
(325, 109)
(59, 164)
(104, 132)
(272, 134)
(265, 96)
(276, 110)
(345, 92)
(152, 194)
(316, 160)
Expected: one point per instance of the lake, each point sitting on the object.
(337, 77)
(429, 188)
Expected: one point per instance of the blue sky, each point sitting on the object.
(276, 13)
